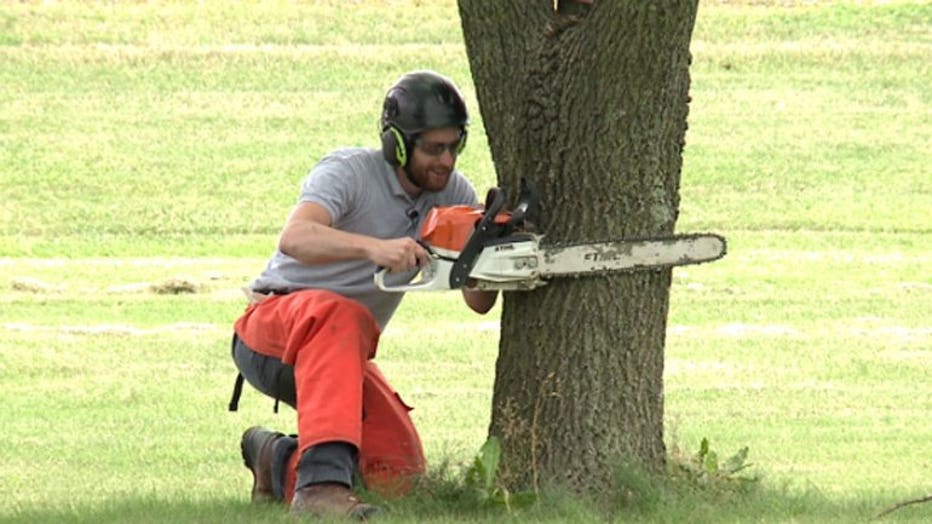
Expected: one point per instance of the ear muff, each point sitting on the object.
(462, 145)
(401, 150)
(393, 147)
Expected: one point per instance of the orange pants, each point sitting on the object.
(341, 396)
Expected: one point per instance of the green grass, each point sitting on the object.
(142, 143)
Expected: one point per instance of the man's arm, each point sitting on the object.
(309, 238)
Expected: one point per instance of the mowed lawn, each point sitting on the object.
(149, 153)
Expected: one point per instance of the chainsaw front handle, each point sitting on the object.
(434, 277)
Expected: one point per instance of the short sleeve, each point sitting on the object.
(331, 184)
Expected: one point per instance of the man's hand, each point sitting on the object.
(399, 254)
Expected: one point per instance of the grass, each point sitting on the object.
(147, 143)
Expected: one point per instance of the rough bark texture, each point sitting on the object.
(589, 103)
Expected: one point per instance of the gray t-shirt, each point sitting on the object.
(363, 195)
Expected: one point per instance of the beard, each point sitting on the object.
(431, 178)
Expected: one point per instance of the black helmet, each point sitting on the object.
(419, 101)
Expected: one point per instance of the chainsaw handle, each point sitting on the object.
(527, 204)
(485, 230)
(434, 277)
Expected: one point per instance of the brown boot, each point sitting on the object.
(330, 499)
(258, 446)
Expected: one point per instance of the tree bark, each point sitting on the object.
(589, 103)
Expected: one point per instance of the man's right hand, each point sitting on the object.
(399, 254)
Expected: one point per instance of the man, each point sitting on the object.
(311, 329)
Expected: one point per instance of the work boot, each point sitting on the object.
(258, 446)
(330, 500)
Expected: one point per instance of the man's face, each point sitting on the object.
(433, 157)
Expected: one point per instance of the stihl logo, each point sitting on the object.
(603, 257)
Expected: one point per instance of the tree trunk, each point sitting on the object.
(589, 103)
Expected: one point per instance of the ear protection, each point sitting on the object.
(394, 146)
(462, 145)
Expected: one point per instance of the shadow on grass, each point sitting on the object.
(642, 500)
(143, 510)
(638, 497)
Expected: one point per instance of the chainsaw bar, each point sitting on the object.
(590, 258)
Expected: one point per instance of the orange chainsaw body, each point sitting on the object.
(448, 228)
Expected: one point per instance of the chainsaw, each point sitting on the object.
(489, 249)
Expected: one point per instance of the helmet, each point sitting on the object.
(419, 101)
